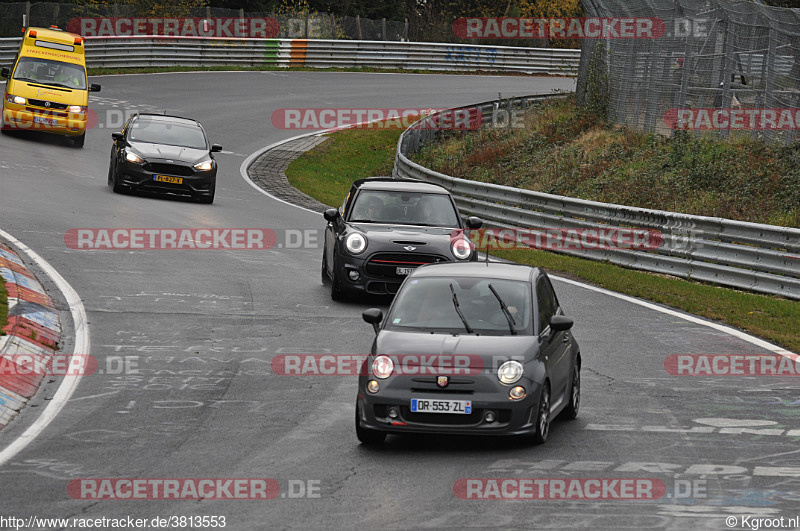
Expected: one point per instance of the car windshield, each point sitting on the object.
(404, 208)
(455, 305)
(49, 72)
(171, 133)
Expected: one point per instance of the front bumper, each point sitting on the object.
(372, 279)
(141, 178)
(512, 417)
(57, 122)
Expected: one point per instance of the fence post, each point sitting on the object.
(27, 20)
(383, 28)
(358, 27)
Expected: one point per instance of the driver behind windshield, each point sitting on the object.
(369, 208)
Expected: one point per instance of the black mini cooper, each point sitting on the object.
(385, 229)
(469, 348)
(163, 154)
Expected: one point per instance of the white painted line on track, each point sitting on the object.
(81, 347)
(686, 317)
(249, 160)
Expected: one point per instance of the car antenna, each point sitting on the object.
(487, 247)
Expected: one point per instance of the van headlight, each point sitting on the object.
(17, 100)
(204, 166)
(77, 109)
(356, 243)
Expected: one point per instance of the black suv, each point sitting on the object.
(385, 229)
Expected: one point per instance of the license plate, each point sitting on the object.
(426, 405)
(403, 271)
(168, 179)
(44, 121)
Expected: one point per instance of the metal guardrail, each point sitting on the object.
(736, 254)
(147, 51)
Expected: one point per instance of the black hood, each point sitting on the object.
(152, 152)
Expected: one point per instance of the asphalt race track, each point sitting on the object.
(201, 327)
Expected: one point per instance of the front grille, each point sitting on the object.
(442, 418)
(381, 412)
(384, 265)
(168, 169)
(47, 113)
(52, 105)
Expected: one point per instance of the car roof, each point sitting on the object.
(499, 270)
(167, 118)
(403, 185)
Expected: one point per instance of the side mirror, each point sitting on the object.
(216, 148)
(373, 316)
(560, 323)
(474, 223)
(118, 137)
(5, 72)
(332, 214)
(94, 87)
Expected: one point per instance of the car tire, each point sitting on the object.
(366, 436)
(571, 411)
(336, 291)
(208, 199)
(543, 417)
(118, 188)
(78, 141)
(324, 273)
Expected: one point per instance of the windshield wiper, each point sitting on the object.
(458, 309)
(509, 317)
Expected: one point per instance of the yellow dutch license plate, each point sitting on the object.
(168, 179)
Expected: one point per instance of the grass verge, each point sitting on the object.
(327, 171)
(564, 150)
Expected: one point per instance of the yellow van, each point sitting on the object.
(47, 88)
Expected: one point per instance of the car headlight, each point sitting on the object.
(133, 157)
(18, 100)
(510, 372)
(461, 248)
(204, 166)
(77, 109)
(356, 243)
(382, 367)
